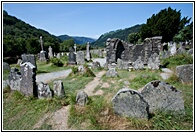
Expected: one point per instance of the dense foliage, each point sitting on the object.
(20, 37)
(77, 40)
(122, 34)
(166, 23)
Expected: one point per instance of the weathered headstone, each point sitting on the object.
(100, 53)
(28, 79)
(154, 62)
(43, 56)
(50, 52)
(129, 103)
(96, 65)
(123, 65)
(111, 73)
(81, 69)
(14, 79)
(75, 48)
(162, 96)
(88, 52)
(6, 66)
(29, 58)
(138, 64)
(81, 98)
(190, 52)
(58, 88)
(185, 73)
(80, 58)
(43, 91)
(58, 55)
(181, 50)
(72, 57)
(173, 48)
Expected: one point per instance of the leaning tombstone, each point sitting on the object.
(130, 103)
(72, 57)
(43, 90)
(58, 88)
(81, 98)
(28, 79)
(162, 96)
(96, 65)
(14, 79)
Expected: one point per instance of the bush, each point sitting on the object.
(57, 62)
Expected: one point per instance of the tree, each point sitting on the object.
(33, 46)
(166, 23)
(133, 37)
(65, 45)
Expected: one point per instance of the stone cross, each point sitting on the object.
(41, 42)
(75, 48)
(87, 51)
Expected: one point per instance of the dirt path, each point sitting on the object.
(46, 77)
(89, 88)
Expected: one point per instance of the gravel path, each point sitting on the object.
(46, 77)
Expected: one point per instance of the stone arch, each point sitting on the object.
(119, 47)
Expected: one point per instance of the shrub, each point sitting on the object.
(57, 62)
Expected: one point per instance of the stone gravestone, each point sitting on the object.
(88, 52)
(154, 62)
(190, 52)
(43, 54)
(58, 55)
(75, 48)
(80, 58)
(124, 65)
(129, 103)
(28, 79)
(19, 61)
(43, 91)
(181, 50)
(81, 69)
(111, 73)
(50, 52)
(185, 73)
(6, 66)
(162, 96)
(58, 88)
(29, 58)
(81, 98)
(96, 65)
(14, 79)
(72, 57)
(100, 53)
(138, 64)
(173, 49)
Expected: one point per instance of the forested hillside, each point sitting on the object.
(77, 40)
(20, 37)
(122, 34)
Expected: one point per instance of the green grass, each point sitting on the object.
(22, 113)
(179, 59)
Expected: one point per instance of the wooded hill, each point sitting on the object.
(20, 37)
(121, 33)
(77, 39)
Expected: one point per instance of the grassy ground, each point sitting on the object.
(21, 113)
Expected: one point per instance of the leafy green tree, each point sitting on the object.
(133, 37)
(33, 46)
(65, 45)
(166, 23)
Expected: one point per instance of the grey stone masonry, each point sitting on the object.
(43, 90)
(29, 58)
(14, 79)
(185, 73)
(129, 103)
(80, 58)
(162, 96)
(58, 88)
(81, 98)
(28, 79)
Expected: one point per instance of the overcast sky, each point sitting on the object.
(89, 19)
